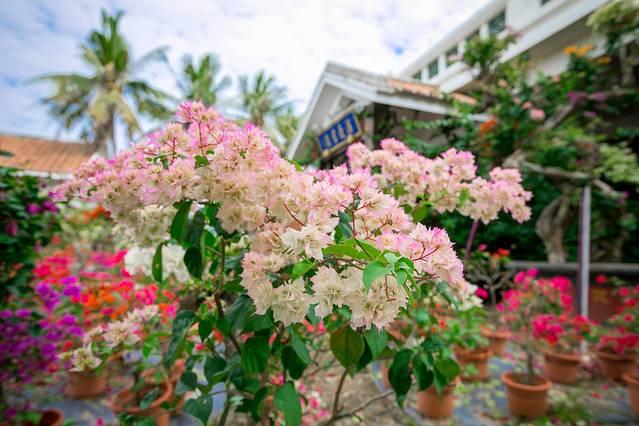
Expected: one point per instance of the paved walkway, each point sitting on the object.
(476, 404)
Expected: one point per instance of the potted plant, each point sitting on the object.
(488, 271)
(618, 347)
(138, 333)
(526, 390)
(463, 332)
(561, 336)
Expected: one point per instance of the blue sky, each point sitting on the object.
(292, 39)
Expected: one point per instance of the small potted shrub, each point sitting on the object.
(618, 347)
(145, 398)
(561, 336)
(526, 390)
(488, 271)
(470, 346)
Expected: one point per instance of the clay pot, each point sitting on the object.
(632, 380)
(178, 368)
(526, 400)
(50, 417)
(85, 384)
(432, 406)
(614, 366)
(561, 368)
(477, 358)
(124, 402)
(498, 339)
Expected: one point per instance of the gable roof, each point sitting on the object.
(43, 156)
(339, 80)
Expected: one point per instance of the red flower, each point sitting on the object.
(601, 279)
(480, 292)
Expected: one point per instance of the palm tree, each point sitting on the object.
(110, 93)
(202, 82)
(286, 124)
(262, 99)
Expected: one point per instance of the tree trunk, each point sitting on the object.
(551, 225)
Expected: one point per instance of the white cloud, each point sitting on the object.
(292, 39)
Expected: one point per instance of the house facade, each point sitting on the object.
(383, 102)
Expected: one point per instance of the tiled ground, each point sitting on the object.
(476, 404)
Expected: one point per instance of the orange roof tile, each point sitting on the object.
(43, 155)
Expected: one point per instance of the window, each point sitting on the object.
(451, 56)
(433, 69)
(497, 24)
(472, 36)
(418, 75)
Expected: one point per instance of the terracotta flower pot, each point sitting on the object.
(85, 384)
(178, 368)
(614, 366)
(478, 358)
(124, 402)
(632, 380)
(432, 406)
(526, 400)
(497, 339)
(561, 368)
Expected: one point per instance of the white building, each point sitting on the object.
(544, 28)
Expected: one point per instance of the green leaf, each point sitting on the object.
(193, 262)
(178, 226)
(420, 212)
(149, 398)
(288, 402)
(347, 345)
(181, 323)
(215, 369)
(300, 348)
(423, 375)
(156, 264)
(341, 250)
(370, 252)
(376, 341)
(255, 354)
(200, 408)
(301, 268)
(204, 329)
(258, 323)
(239, 310)
(399, 374)
(201, 161)
(194, 231)
(187, 382)
(448, 368)
(292, 363)
(373, 271)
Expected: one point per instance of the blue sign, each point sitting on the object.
(339, 134)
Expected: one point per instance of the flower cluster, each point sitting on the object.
(139, 260)
(562, 332)
(105, 339)
(449, 181)
(288, 215)
(29, 344)
(624, 336)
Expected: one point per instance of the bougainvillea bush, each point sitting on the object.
(542, 310)
(621, 332)
(270, 246)
(27, 223)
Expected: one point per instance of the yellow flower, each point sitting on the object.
(570, 50)
(584, 49)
